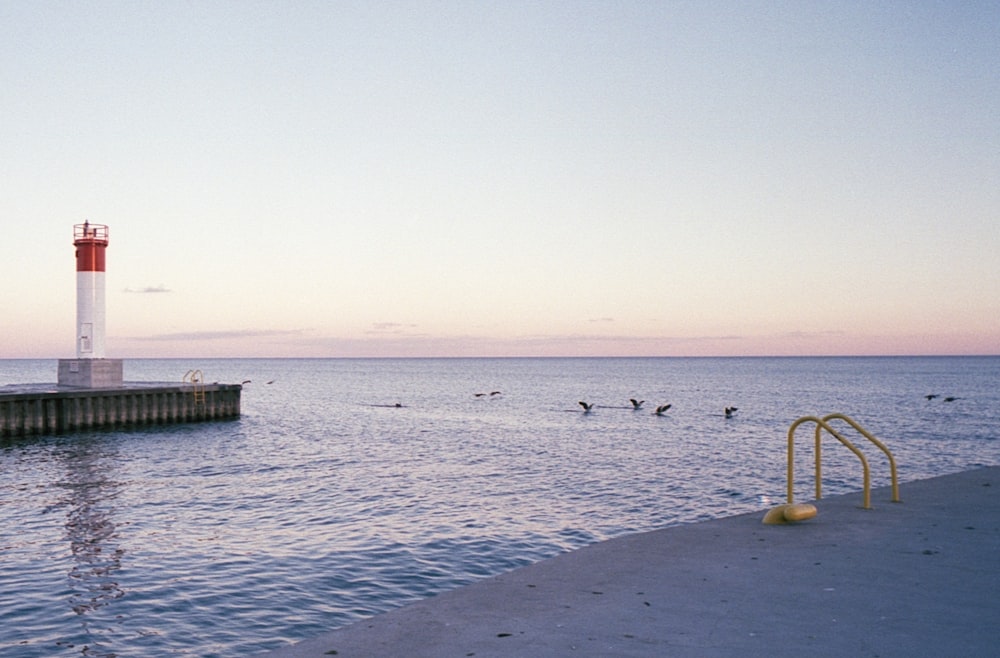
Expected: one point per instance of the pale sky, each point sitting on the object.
(504, 178)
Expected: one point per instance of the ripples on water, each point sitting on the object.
(325, 503)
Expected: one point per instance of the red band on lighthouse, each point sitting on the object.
(90, 241)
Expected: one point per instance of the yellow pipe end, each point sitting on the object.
(789, 513)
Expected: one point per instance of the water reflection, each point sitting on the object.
(315, 509)
(92, 535)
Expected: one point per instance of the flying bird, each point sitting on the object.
(931, 396)
(245, 381)
(662, 408)
(586, 407)
(950, 399)
(636, 403)
(730, 411)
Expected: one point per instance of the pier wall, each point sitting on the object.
(62, 410)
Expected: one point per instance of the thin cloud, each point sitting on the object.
(810, 335)
(149, 289)
(622, 338)
(223, 335)
(389, 328)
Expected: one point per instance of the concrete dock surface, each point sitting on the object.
(916, 578)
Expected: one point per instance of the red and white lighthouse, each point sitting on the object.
(90, 241)
(90, 368)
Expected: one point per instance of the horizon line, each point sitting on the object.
(560, 356)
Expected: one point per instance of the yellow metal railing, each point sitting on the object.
(197, 382)
(824, 424)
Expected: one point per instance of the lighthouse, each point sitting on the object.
(91, 241)
(90, 368)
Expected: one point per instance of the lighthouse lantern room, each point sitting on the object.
(90, 368)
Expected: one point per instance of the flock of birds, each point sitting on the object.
(660, 410)
(637, 404)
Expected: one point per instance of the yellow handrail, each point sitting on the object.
(824, 424)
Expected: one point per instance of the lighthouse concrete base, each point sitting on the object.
(90, 373)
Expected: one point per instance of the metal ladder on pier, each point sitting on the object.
(197, 382)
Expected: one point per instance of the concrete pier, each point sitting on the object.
(49, 409)
(917, 578)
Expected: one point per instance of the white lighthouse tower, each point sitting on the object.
(90, 368)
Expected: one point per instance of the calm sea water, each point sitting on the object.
(326, 503)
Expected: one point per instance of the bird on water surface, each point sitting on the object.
(636, 403)
(662, 408)
(586, 407)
